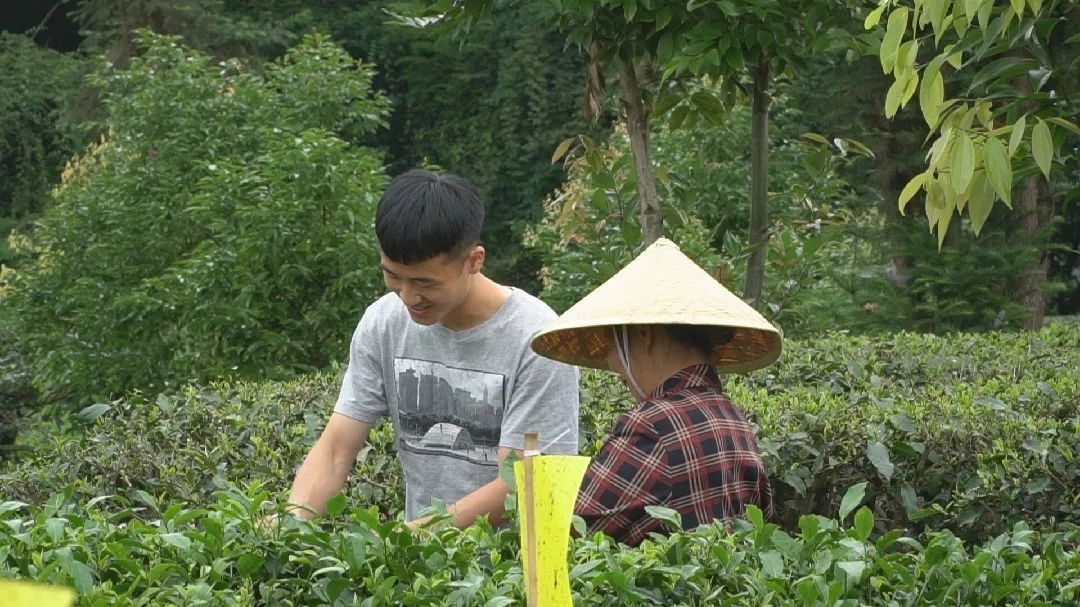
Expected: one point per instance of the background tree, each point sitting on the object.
(1011, 69)
(220, 226)
(714, 39)
(36, 131)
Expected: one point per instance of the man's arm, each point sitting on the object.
(327, 466)
(489, 500)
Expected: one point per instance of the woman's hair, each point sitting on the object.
(702, 338)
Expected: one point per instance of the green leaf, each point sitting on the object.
(894, 33)
(54, 527)
(852, 497)
(893, 97)
(963, 163)
(249, 564)
(911, 189)
(905, 58)
(1065, 124)
(935, 10)
(971, 8)
(335, 505)
(755, 516)
(1042, 146)
(908, 498)
(772, 564)
(506, 467)
(998, 169)
(91, 413)
(355, 548)
(499, 601)
(981, 201)
(663, 17)
(709, 106)
(808, 590)
(1018, 6)
(177, 540)
(864, 523)
(81, 576)
(873, 17)
(1017, 134)
(932, 92)
(11, 506)
(879, 456)
(669, 516)
(853, 571)
(945, 217)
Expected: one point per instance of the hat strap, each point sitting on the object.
(622, 347)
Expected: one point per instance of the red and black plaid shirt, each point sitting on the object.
(686, 447)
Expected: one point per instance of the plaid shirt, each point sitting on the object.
(686, 447)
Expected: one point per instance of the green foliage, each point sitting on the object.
(591, 227)
(1002, 111)
(963, 444)
(222, 224)
(966, 432)
(123, 552)
(820, 257)
(222, 434)
(36, 137)
(491, 108)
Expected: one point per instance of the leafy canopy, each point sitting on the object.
(222, 223)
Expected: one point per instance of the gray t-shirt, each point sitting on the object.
(455, 397)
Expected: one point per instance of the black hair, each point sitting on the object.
(423, 214)
(702, 338)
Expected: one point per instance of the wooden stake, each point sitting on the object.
(532, 445)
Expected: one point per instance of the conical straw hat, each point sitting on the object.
(661, 286)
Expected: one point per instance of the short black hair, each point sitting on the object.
(424, 214)
(705, 339)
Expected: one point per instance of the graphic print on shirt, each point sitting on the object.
(449, 411)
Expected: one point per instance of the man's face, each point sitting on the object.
(433, 288)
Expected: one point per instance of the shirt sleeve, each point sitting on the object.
(363, 394)
(624, 477)
(544, 400)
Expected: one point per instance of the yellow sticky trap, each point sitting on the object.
(28, 594)
(555, 483)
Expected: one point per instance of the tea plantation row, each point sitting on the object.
(965, 444)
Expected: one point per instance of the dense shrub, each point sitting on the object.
(963, 432)
(221, 225)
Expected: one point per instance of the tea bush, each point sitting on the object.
(961, 450)
(963, 432)
(120, 552)
(220, 226)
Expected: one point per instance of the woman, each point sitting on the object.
(669, 329)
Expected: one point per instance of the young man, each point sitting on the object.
(446, 355)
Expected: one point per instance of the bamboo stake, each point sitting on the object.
(532, 445)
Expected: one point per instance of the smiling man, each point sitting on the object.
(446, 356)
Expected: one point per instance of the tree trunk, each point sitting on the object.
(1034, 215)
(637, 126)
(759, 186)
